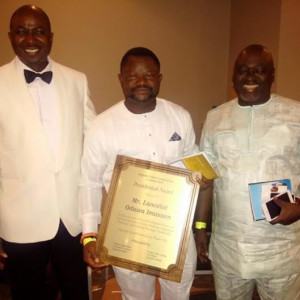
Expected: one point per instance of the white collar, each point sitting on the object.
(22, 66)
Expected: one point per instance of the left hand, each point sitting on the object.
(204, 182)
(201, 240)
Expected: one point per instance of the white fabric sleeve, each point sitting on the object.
(205, 142)
(90, 189)
(89, 110)
(190, 146)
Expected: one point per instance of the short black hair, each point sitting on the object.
(25, 8)
(139, 51)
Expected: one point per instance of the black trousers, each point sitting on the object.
(27, 267)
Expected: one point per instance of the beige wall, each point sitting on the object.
(253, 22)
(288, 75)
(191, 38)
(196, 40)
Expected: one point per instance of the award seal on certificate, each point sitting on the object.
(147, 218)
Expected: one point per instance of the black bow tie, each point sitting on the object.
(30, 76)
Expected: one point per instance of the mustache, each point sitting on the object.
(141, 86)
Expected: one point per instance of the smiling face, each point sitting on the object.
(253, 75)
(140, 80)
(31, 37)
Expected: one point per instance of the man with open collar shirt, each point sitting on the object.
(253, 138)
(145, 127)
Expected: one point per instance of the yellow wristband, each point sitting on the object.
(87, 240)
(200, 225)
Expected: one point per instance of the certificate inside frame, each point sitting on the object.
(147, 219)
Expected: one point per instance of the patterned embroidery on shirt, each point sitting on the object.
(175, 137)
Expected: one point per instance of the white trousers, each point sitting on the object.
(231, 287)
(138, 286)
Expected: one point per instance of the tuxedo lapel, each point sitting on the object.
(27, 111)
(62, 113)
(22, 96)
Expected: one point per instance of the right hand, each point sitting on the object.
(290, 213)
(91, 258)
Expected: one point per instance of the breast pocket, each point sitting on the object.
(283, 159)
(173, 150)
(226, 146)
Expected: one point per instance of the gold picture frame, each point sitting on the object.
(148, 217)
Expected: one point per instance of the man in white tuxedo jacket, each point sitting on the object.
(42, 122)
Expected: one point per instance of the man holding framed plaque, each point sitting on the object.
(143, 127)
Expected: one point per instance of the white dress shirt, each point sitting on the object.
(149, 136)
(45, 100)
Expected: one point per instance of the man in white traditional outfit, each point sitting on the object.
(253, 138)
(145, 127)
